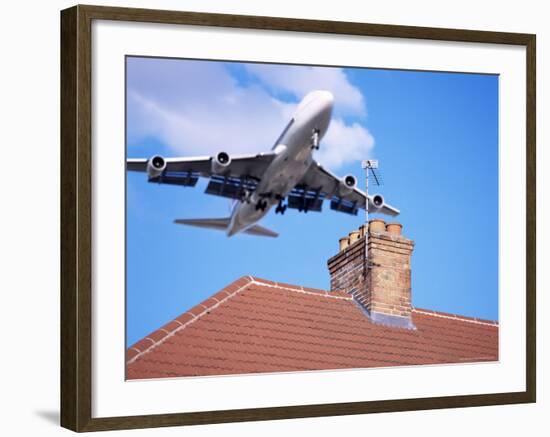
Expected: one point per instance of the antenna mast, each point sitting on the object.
(369, 165)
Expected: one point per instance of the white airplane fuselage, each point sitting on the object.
(294, 155)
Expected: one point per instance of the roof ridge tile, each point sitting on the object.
(457, 317)
(300, 289)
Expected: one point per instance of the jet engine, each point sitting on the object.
(155, 166)
(377, 202)
(220, 163)
(347, 184)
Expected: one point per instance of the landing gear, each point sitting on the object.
(315, 139)
(261, 205)
(281, 208)
(246, 196)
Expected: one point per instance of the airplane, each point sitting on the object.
(286, 176)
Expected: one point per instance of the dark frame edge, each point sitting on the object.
(303, 25)
(69, 327)
(531, 219)
(76, 225)
(304, 411)
(75, 93)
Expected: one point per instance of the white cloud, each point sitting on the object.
(199, 108)
(243, 121)
(299, 80)
(344, 143)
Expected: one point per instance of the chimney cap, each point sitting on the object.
(377, 225)
(394, 228)
(354, 236)
(343, 243)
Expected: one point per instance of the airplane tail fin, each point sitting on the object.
(221, 224)
(261, 231)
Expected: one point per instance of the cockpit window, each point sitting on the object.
(283, 134)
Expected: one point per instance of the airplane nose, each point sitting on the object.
(322, 100)
(325, 100)
(327, 97)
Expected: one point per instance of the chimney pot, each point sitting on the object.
(353, 237)
(377, 225)
(344, 243)
(394, 228)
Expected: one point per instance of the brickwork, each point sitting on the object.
(347, 269)
(385, 288)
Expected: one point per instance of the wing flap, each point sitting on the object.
(343, 205)
(232, 188)
(304, 199)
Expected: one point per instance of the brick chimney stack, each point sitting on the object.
(384, 290)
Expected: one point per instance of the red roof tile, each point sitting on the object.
(254, 325)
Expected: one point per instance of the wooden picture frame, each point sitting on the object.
(76, 217)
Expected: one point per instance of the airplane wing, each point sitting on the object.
(325, 184)
(252, 166)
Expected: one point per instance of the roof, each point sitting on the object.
(255, 325)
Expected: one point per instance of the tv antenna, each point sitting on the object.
(371, 169)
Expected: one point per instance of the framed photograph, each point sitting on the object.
(268, 218)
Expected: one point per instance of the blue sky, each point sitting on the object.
(435, 134)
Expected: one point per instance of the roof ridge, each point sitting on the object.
(300, 289)
(169, 333)
(450, 316)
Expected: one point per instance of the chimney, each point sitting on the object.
(384, 290)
